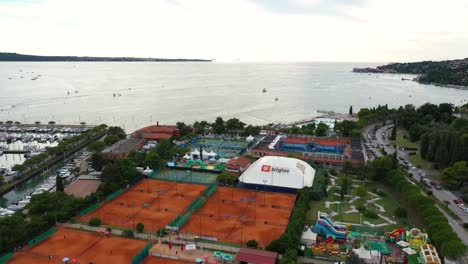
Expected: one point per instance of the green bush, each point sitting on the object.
(370, 214)
(128, 233)
(380, 192)
(333, 172)
(252, 244)
(289, 257)
(361, 208)
(465, 197)
(161, 232)
(400, 212)
(95, 221)
(139, 227)
(227, 178)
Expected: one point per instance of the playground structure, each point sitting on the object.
(154, 203)
(235, 215)
(326, 227)
(80, 247)
(195, 164)
(416, 238)
(396, 235)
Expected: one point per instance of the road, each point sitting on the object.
(379, 140)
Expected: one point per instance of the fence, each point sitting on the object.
(5, 258)
(113, 195)
(138, 258)
(154, 173)
(89, 209)
(41, 237)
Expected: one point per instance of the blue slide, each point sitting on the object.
(327, 219)
(324, 229)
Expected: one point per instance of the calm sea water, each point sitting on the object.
(169, 92)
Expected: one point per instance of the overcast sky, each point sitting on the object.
(248, 30)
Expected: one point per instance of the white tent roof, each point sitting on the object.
(186, 156)
(195, 152)
(223, 160)
(409, 251)
(205, 153)
(309, 235)
(212, 153)
(363, 253)
(279, 171)
(250, 138)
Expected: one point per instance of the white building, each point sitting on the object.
(279, 172)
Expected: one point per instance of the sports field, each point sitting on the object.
(140, 203)
(264, 216)
(85, 247)
(159, 260)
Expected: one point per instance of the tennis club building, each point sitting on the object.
(273, 172)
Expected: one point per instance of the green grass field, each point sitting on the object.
(419, 162)
(403, 142)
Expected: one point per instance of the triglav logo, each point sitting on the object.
(268, 168)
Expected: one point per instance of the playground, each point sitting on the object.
(186, 176)
(375, 209)
(80, 247)
(336, 241)
(237, 215)
(154, 203)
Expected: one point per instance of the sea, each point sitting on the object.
(135, 94)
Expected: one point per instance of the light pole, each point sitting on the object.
(159, 204)
(360, 218)
(264, 192)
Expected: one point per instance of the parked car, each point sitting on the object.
(438, 187)
(466, 210)
(456, 201)
(433, 183)
(462, 206)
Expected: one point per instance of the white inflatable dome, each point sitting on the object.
(279, 171)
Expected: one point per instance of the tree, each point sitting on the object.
(452, 248)
(97, 161)
(394, 131)
(184, 129)
(165, 149)
(139, 227)
(456, 176)
(234, 124)
(111, 139)
(227, 178)
(37, 123)
(200, 127)
(9, 122)
(51, 123)
(219, 126)
(321, 130)
(118, 131)
(96, 146)
(361, 191)
(59, 184)
(153, 160)
(351, 110)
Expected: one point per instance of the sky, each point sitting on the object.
(244, 30)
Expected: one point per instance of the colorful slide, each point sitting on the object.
(326, 227)
(396, 235)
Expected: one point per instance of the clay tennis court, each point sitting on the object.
(85, 247)
(265, 216)
(82, 187)
(140, 204)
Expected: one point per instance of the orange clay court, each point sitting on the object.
(140, 204)
(266, 215)
(85, 247)
(158, 260)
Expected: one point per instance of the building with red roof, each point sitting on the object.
(156, 132)
(238, 165)
(254, 256)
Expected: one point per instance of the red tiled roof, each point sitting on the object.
(157, 129)
(155, 136)
(239, 161)
(256, 256)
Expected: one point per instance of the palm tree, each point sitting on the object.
(51, 123)
(17, 123)
(1, 123)
(37, 123)
(9, 122)
(83, 124)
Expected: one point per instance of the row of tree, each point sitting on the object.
(385, 169)
(319, 130)
(220, 126)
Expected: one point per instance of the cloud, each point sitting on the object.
(258, 30)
